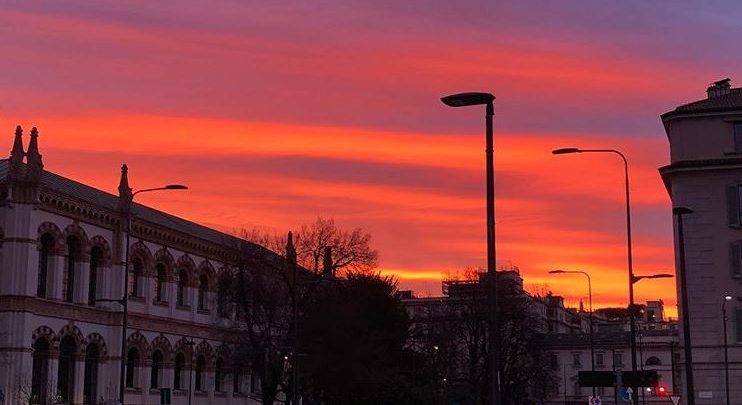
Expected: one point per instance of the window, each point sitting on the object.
(47, 246)
(179, 367)
(599, 359)
(221, 299)
(137, 269)
(738, 323)
(154, 379)
(576, 360)
(40, 370)
(96, 257)
(618, 360)
(735, 259)
(236, 380)
(66, 371)
(161, 284)
(132, 362)
(182, 287)
(203, 292)
(218, 375)
(90, 387)
(200, 363)
(734, 205)
(74, 251)
(737, 137)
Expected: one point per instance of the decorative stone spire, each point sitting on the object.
(290, 249)
(16, 155)
(33, 157)
(327, 267)
(125, 194)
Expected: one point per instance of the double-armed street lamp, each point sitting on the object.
(124, 301)
(487, 99)
(630, 260)
(726, 344)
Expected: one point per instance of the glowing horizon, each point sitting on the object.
(275, 114)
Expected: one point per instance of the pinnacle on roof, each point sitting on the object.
(33, 157)
(290, 249)
(125, 194)
(16, 154)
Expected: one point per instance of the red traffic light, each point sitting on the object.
(661, 391)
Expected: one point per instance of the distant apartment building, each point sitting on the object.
(566, 331)
(705, 175)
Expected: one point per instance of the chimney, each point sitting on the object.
(719, 88)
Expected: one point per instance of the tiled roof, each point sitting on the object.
(141, 212)
(730, 101)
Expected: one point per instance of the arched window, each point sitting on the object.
(182, 287)
(653, 361)
(200, 363)
(132, 363)
(221, 298)
(203, 292)
(96, 257)
(136, 271)
(154, 381)
(179, 368)
(40, 371)
(91, 375)
(47, 246)
(218, 375)
(161, 283)
(66, 371)
(74, 253)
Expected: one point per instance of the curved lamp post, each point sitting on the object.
(487, 99)
(632, 320)
(590, 299)
(684, 306)
(125, 300)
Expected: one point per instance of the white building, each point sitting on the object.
(705, 175)
(62, 249)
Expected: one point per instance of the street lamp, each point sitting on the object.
(636, 279)
(190, 344)
(630, 260)
(687, 348)
(590, 298)
(487, 99)
(125, 300)
(726, 344)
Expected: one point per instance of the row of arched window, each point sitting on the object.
(72, 268)
(182, 370)
(42, 391)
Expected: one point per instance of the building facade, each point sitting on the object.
(567, 339)
(705, 175)
(64, 249)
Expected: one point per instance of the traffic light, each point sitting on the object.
(661, 391)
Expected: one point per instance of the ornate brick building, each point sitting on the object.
(63, 248)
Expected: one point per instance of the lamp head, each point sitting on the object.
(564, 151)
(728, 298)
(467, 99)
(176, 187)
(662, 275)
(556, 271)
(681, 210)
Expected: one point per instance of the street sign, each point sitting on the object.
(608, 378)
(627, 394)
(675, 399)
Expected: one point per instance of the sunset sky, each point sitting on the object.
(277, 112)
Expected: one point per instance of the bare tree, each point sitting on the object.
(322, 244)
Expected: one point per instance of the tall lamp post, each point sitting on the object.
(630, 260)
(590, 299)
(726, 344)
(487, 99)
(687, 348)
(124, 301)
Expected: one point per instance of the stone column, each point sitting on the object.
(79, 387)
(82, 283)
(55, 277)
